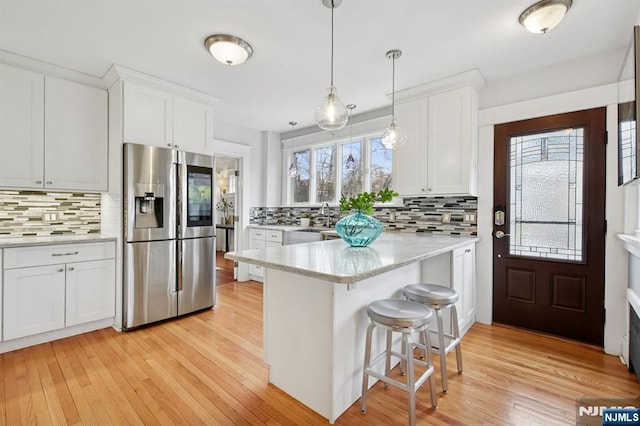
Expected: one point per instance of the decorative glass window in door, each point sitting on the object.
(546, 196)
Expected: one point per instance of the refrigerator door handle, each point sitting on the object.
(179, 266)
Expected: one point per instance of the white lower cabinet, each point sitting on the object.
(261, 238)
(463, 282)
(90, 291)
(33, 300)
(47, 288)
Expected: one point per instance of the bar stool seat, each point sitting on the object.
(438, 297)
(406, 317)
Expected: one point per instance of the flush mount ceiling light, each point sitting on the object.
(331, 113)
(393, 137)
(544, 15)
(228, 49)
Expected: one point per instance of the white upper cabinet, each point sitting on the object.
(147, 115)
(452, 143)
(192, 125)
(75, 136)
(410, 172)
(441, 122)
(21, 128)
(53, 132)
(154, 116)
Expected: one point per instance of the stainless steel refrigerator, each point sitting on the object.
(169, 234)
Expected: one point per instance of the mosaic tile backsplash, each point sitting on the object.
(419, 214)
(21, 213)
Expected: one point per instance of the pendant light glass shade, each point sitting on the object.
(393, 137)
(293, 169)
(331, 114)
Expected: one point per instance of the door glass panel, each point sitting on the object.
(546, 196)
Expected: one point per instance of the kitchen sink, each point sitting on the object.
(298, 236)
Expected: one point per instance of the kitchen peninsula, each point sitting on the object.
(315, 298)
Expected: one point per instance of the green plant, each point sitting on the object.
(304, 215)
(364, 201)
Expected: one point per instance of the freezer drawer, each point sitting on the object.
(149, 282)
(196, 274)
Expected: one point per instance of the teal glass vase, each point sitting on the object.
(359, 229)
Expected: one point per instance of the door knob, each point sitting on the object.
(501, 234)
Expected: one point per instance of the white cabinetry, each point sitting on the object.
(463, 282)
(158, 117)
(47, 288)
(440, 156)
(22, 128)
(54, 132)
(75, 136)
(261, 238)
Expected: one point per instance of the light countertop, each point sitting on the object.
(57, 239)
(335, 261)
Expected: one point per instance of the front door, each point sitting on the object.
(549, 224)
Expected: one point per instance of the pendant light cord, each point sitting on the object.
(333, 6)
(393, 87)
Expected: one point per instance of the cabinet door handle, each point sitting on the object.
(49, 182)
(71, 268)
(60, 270)
(467, 251)
(39, 182)
(64, 254)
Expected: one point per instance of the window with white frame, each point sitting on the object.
(326, 171)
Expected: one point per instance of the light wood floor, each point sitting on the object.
(207, 369)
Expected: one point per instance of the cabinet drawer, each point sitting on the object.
(274, 236)
(257, 234)
(256, 270)
(257, 244)
(22, 257)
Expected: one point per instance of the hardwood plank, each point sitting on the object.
(207, 368)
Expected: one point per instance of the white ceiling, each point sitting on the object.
(289, 72)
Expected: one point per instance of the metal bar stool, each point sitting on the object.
(406, 317)
(439, 297)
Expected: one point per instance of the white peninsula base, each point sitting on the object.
(315, 299)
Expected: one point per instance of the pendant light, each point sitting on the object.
(331, 114)
(393, 137)
(350, 164)
(293, 169)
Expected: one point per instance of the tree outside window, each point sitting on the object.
(352, 177)
(325, 174)
(300, 183)
(381, 165)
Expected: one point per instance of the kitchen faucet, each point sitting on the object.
(327, 222)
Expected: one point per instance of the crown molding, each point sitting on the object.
(36, 65)
(472, 78)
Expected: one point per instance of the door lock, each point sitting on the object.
(501, 234)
